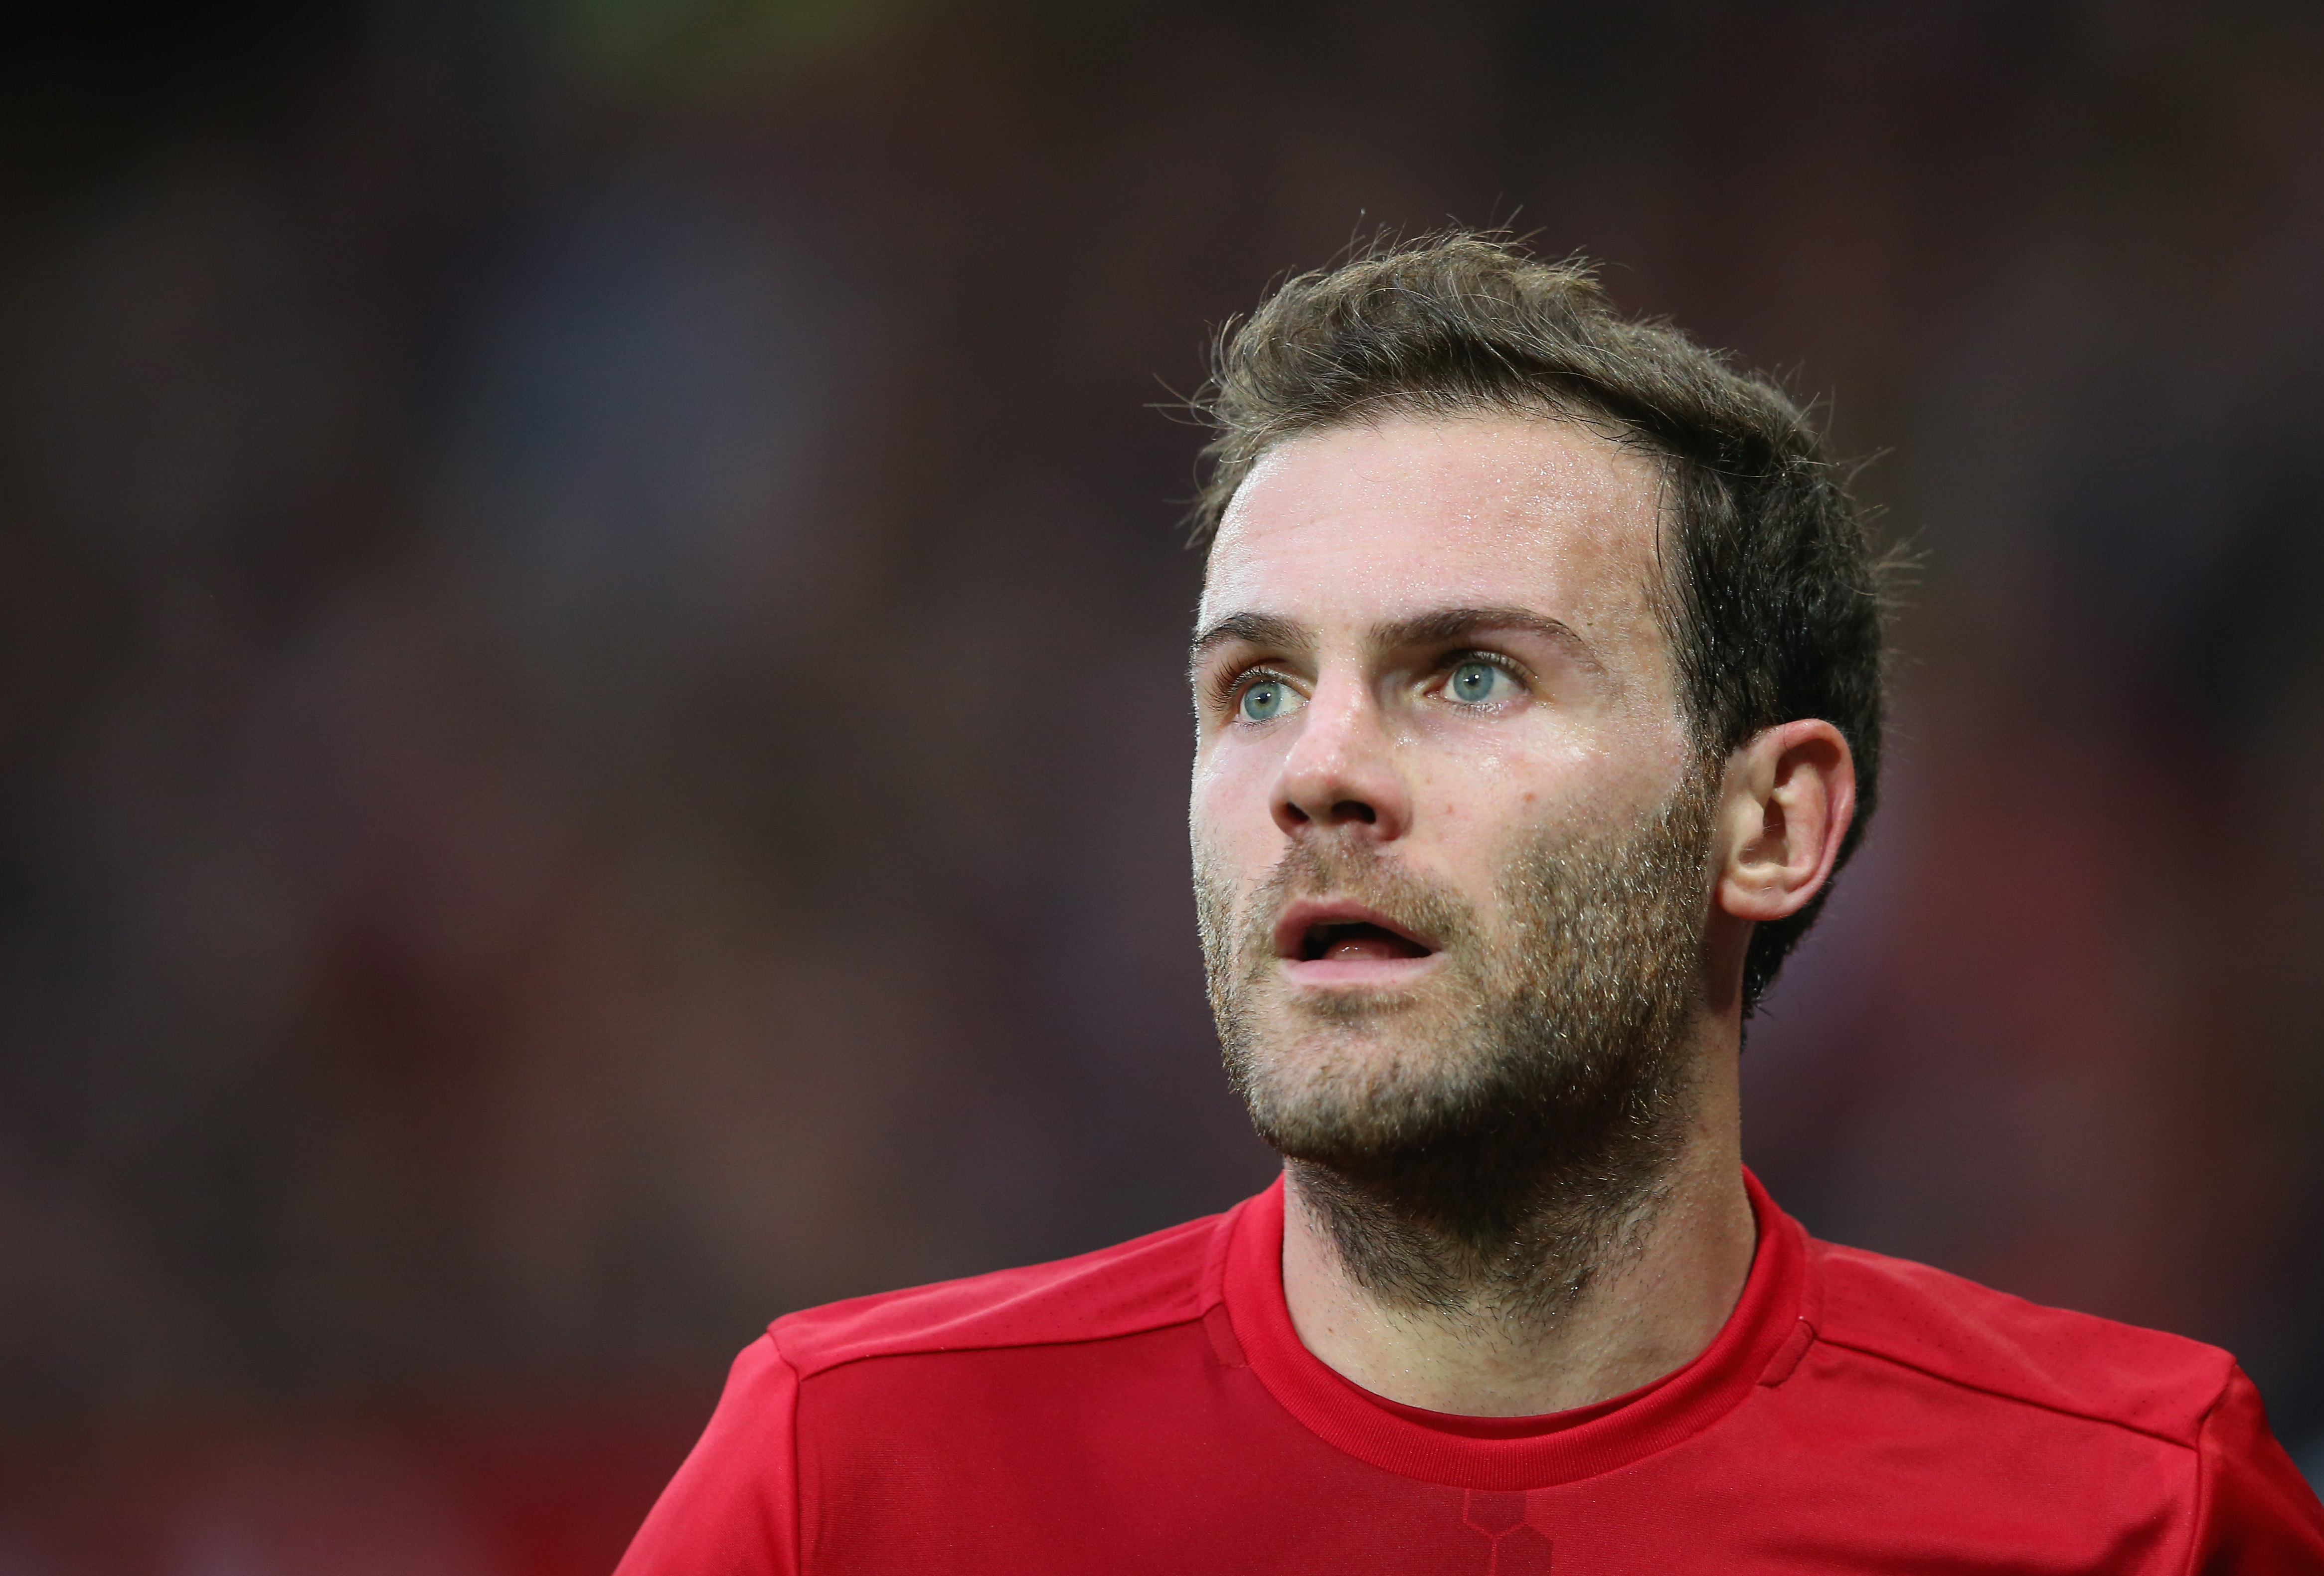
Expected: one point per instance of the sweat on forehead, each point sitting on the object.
(1387, 517)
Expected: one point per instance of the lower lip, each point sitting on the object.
(1325, 972)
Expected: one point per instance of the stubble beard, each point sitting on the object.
(1487, 1144)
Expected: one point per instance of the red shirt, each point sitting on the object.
(1150, 1408)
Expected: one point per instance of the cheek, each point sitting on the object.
(1495, 783)
(1476, 808)
(1230, 812)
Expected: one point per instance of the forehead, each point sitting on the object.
(1380, 520)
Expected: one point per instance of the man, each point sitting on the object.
(1538, 678)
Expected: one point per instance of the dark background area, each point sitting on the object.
(591, 736)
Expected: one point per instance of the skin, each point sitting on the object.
(1335, 549)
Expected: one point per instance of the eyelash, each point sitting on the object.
(1507, 665)
(1226, 693)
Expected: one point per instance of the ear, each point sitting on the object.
(1790, 795)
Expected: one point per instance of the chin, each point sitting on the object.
(1367, 1026)
(1405, 1008)
(1359, 1072)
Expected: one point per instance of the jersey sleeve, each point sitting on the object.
(733, 1509)
(2256, 1515)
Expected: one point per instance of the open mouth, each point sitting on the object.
(1356, 941)
(1347, 936)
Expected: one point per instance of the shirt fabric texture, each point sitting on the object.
(1150, 1408)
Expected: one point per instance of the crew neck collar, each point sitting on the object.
(1760, 1342)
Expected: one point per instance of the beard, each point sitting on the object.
(1484, 1144)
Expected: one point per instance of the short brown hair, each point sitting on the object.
(1774, 602)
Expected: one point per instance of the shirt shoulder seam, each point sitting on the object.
(2203, 1485)
(806, 1371)
(798, 1507)
(1190, 1309)
(2000, 1395)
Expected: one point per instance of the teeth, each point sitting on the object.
(1321, 936)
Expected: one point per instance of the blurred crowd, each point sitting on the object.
(592, 719)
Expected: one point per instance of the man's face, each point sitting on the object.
(1444, 803)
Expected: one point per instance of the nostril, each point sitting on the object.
(1354, 810)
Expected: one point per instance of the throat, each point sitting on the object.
(1514, 1260)
(1540, 1317)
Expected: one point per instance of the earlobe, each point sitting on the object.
(1790, 796)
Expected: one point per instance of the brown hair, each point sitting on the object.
(1773, 594)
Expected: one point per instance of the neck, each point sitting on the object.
(1603, 1295)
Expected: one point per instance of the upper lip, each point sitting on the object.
(1299, 919)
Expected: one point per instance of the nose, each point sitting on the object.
(1341, 774)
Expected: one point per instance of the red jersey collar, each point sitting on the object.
(1762, 1339)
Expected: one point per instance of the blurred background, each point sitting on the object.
(591, 729)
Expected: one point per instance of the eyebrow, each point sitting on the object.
(1440, 627)
(1252, 629)
(1449, 625)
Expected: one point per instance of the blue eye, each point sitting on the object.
(1267, 700)
(1475, 683)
